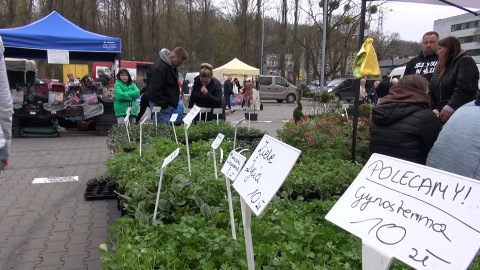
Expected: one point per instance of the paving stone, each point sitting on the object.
(81, 238)
(31, 255)
(20, 231)
(78, 229)
(103, 222)
(82, 220)
(59, 236)
(26, 265)
(51, 259)
(93, 264)
(77, 249)
(56, 246)
(36, 243)
(99, 232)
(62, 226)
(74, 262)
(22, 222)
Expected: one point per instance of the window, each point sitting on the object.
(265, 81)
(280, 81)
(475, 52)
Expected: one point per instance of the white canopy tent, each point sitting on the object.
(461, 4)
(235, 68)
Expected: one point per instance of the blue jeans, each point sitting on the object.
(163, 116)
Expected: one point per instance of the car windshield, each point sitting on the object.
(335, 82)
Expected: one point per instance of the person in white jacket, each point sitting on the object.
(6, 112)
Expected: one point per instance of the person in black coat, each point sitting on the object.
(403, 124)
(383, 88)
(455, 81)
(162, 85)
(103, 78)
(206, 92)
(228, 92)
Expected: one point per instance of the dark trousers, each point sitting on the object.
(143, 107)
(227, 102)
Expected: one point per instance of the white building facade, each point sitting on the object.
(464, 27)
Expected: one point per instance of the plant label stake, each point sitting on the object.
(217, 111)
(230, 170)
(156, 110)
(204, 110)
(127, 122)
(215, 145)
(235, 135)
(187, 121)
(166, 161)
(141, 123)
(172, 121)
(247, 232)
(260, 178)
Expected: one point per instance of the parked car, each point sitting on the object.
(276, 88)
(343, 88)
(190, 76)
(397, 73)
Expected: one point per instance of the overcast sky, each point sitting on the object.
(411, 21)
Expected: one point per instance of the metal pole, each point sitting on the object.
(356, 85)
(263, 37)
(324, 42)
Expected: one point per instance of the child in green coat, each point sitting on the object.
(126, 93)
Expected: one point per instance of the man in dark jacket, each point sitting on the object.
(425, 63)
(228, 92)
(162, 85)
(103, 78)
(383, 88)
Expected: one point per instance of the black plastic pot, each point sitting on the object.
(252, 116)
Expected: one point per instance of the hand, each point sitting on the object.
(445, 113)
(204, 90)
(4, 164)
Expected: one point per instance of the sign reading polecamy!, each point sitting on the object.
(264, 172)
(427, 218)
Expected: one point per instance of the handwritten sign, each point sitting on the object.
(58, 57)
(265, 171)
(425, 217)
(187, 120)
(218, 140)
(170, 157)
(233, 165)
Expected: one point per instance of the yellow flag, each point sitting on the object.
(366, 62)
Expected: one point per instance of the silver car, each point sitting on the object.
(276, 88)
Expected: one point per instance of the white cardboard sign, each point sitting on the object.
(218, 141)
(265, 171)
(170, 157)
(58, 57)
(427, 218)
(173, 118)
(233, 165)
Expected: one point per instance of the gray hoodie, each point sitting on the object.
(6, 107)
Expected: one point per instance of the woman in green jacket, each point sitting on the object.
(126, 93)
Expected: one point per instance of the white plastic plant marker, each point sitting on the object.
(425, 217)
(173, 118)
(215, 145)
(127, 122)
(231, 169)
(218, 112)
(265, 171)
(187, 121)
(166, 161)
(155, 110)
(141, 124)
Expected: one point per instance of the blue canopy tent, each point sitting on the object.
(55, 32)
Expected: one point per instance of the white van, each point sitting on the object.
(397, 73)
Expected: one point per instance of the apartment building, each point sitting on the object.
(466, 28)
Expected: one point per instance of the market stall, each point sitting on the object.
(37, 106)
